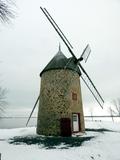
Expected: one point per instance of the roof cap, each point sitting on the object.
(60, 61)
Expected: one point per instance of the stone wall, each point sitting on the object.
(56, 101)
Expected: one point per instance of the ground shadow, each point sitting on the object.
(50, 142)
(101, 130)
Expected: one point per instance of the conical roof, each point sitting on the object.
(60, 61)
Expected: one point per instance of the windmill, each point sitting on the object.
(59, 114)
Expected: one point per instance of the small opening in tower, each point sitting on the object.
(74, 96)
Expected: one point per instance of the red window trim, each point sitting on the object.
(74, 96)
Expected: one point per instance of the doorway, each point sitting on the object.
(65, 125)
(76, 122)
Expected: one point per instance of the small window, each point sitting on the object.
(74, 117)
(74, 96)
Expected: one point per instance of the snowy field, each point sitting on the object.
(104, 146)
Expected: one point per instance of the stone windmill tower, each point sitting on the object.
(60, 106)
(60, 102)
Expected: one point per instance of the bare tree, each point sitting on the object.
(114, 109)
(111, 113)
(91, 112)
(116, 104)
(3, 101)
(6, 12)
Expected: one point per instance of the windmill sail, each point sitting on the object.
(58, 27)
(84, 56)
(86, 53)
(90, 85)
(32, 110)
(58, 30)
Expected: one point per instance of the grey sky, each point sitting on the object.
(30, 42)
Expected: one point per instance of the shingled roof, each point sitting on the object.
(60, 61)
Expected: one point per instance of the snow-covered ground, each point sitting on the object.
(105, 145)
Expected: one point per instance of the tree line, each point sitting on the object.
(6, 14)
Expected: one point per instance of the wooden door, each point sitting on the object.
(65, 125)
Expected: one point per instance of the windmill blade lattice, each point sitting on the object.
(86, 53)
(88, 82)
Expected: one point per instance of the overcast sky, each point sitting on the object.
(29, 43)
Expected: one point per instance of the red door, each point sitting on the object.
(65, 125)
